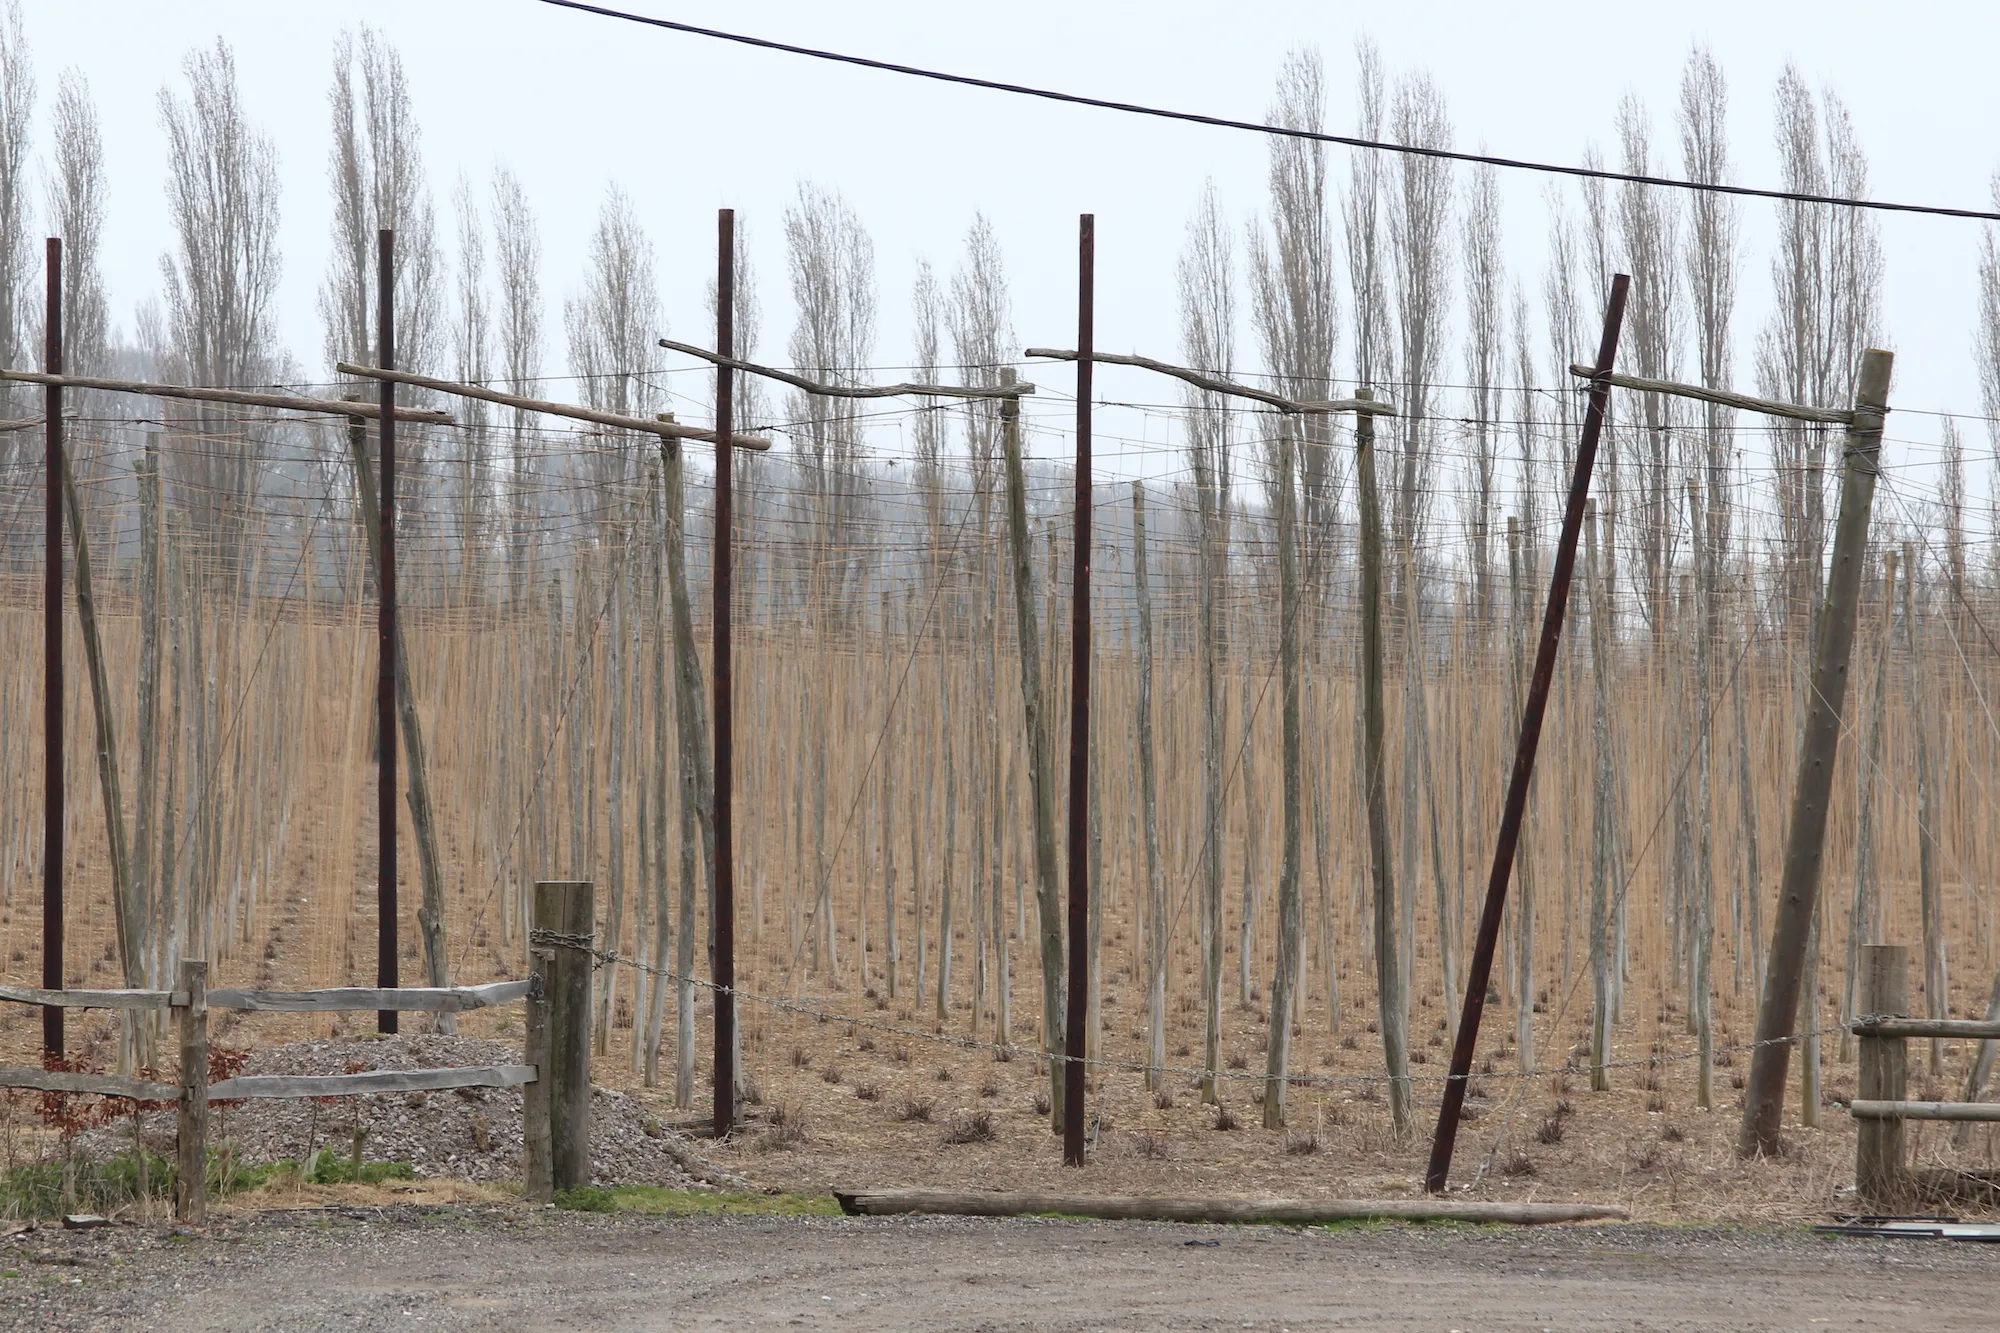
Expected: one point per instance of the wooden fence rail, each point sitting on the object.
(555, 1130)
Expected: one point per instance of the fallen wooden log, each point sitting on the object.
(881, 1203)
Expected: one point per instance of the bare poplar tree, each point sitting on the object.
(517, 261)
(1361, 213)
(221, 278)
(1485, 285)
(613, 326)
(17, 254)
(471, 356)
(76, 213)
(1208, 336)
(376, 170)
(1986, 335)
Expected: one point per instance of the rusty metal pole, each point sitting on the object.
(721, 554)
(52, 660)
(385, 649)
(1077, 1021)
(1524, 752)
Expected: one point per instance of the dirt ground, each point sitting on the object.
(481, 1267)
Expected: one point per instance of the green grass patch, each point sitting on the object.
(658, 1200)
(84, 1185)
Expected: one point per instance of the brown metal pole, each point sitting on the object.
(385, 648)
(1524, 752)
(1077, 1022)
(721, 553)
(52, 661)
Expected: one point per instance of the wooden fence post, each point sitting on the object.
(1879, 1179)
(537, 1161)
(191, 1189)
(566, 923)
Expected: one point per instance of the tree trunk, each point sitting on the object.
(1156, 893)
(1278, 1048)
(1930, 896)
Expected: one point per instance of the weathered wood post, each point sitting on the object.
(191, 1188)
(565, 924)
(537, 1159)
(1819, 748)
(1884, 989)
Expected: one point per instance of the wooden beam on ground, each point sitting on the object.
(381, 1080)
(283, 402)
(109, 1085)
(358, 999)
(92, 999)
(1968, 1112)
(644, 425)
(1376, 407)
(822, 390)
(1770, 407)
(1019, 1203)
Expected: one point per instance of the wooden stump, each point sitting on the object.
(565, 923)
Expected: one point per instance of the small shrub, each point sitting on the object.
(1565, 1108)
(1301, 1142)
(751, 1092)
(801, 1058)
(1150, 1146)
(1238, 1062)
(865, 1043)
(913, 1109)
(1163, 1100)
(1349, 1043)
(831, 1074)
(1517, 1164)
(1656, 1102)
(944, 1074)
(990, 1088)
(1041, 1101)
(1420, 1057)
(1004, 1056)
(971, 1127)
(1551, 1131)
(868, 1092)
(901, 1055)
(1672, 1133)
(1225, 1119)
(1181, 1051)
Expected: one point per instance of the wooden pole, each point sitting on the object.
(1074, 1030)
(52, 661)
(1819, 746)
(722, 548)
(537, 1098)
(191, 1189)
(1884, 1076)
(565, 922)
(1514, 813)
(385, 642)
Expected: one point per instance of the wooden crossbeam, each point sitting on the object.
(1375, 407)
(1966, 1112)
(1964, 1029)
(822, 390)
(109, 1085)
(666, 430)
(1744, 402)
(237, 397)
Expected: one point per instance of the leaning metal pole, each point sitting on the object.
(1819, 746)
(1524, 752)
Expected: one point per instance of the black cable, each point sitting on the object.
(1284, 131)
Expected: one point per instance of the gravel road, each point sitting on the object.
(490, 1268)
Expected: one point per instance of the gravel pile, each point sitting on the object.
(466, 1133)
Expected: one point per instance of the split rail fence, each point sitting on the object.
(554, 1074)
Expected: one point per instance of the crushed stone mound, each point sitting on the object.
(463, 1133)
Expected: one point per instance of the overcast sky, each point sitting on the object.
(573, 102)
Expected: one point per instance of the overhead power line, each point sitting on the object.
(1282, 131)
